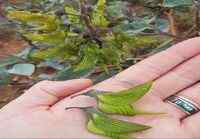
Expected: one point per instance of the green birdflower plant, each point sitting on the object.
(120, 103)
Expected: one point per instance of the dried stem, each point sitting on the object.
(173, 28)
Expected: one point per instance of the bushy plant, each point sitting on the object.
(81, 38)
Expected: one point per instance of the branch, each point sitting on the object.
(172, 22)
(86, 17)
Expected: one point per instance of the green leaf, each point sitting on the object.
(53, 39)
(4, 77)
(126, 96)
(40, 21)
(9, 61)
(67, 51)
(109, 55)
(176, 3)
(72, 14)
(93, 129)
(116, 126)
(89, 59)
(98, 15)
(104, 125)
(121, 102)
(84, 68)
(123, 109)
(22, 69)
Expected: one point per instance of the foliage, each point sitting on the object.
(121, 102)
(86, 38)
(101, 124)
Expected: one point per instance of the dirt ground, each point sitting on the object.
(7, 47)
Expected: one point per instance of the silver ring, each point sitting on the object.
(184, 104)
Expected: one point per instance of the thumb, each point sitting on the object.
(47, 93)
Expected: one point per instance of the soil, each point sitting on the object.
(8, 93)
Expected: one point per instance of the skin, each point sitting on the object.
(40, 111)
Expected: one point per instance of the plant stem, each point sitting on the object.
(86, 17)
(173, 28)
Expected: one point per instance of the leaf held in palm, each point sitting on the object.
(99, 123)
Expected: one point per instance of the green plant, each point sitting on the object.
(115, 103)
(121, 102)
(101, 124)
(82, 35)
(92, 38)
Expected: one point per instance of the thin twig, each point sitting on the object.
(173, 28)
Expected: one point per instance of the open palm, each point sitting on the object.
(40, 112)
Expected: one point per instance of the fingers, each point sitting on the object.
(47, 93)
(161, 63)
(191, 93)
(191, 123)
(177, 79)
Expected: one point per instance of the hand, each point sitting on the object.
(40, 112)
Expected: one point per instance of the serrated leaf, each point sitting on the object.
(88, 61)
(98, 15)
(22, 69)
(72, 14)
(85, 64)
(177, 3)
(67, 51)
(110, 55)
(40, 21)
(53, 39)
